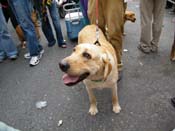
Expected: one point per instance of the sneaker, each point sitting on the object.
(173, 129)
(34, 60)
(13, 57)
(27, 55)
(1, 59)
(52, 43)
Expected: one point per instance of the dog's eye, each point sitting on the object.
(73, 49)
(86, 55)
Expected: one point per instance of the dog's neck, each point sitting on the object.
(98, 77)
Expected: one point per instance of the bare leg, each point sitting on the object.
(93, 104)
(115, 103)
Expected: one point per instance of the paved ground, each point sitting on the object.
(144, 91)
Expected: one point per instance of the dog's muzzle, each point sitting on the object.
(64, 66)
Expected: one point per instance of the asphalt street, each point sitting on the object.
(145, 90)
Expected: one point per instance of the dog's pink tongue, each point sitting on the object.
(67, 79)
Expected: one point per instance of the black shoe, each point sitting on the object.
(51, 43)
(173, 101)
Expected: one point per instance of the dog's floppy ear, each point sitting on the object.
(107, 66)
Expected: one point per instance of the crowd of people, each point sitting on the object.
(24, 16)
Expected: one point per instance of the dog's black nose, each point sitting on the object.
(64, 66)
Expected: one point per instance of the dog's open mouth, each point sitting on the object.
(72, 80)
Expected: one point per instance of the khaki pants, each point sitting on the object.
(111, 14)
(151, 12)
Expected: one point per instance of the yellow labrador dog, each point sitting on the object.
(94, 64)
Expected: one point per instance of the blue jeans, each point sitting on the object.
(7, 46)
(53, 10)
(22, 11)
(46, 26)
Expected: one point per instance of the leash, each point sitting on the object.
(97, 27)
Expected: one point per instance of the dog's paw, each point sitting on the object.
(93, 110)
(116, 109)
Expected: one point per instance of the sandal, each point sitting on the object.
(63, 46)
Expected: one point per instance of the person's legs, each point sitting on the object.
(47, 30)
(92, 15)
(6, 13)
(158, 13)
(56, 23)
(7, 46)
(83, 6)
(146, 9)
(17, 27)
(23, 14)
(113, 11)
(113, 20)
(45, 24)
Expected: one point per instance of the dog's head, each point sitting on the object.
(130, 15)
(86, 61)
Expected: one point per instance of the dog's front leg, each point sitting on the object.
(93, 104)
(115, 103)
